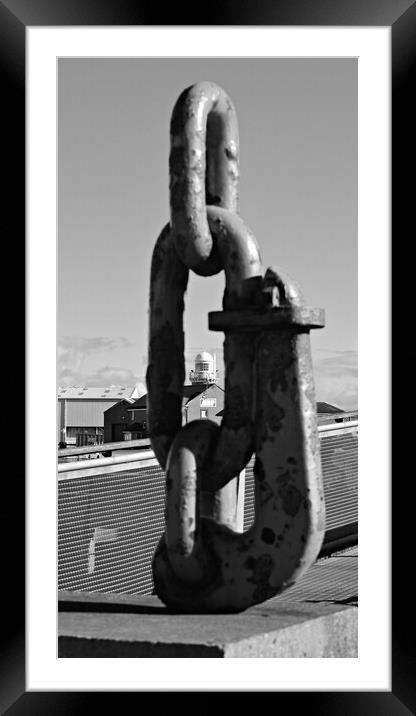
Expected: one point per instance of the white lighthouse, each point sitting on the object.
(205, 369)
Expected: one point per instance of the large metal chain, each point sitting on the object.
(201, 563)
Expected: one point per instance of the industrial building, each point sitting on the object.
(202, 399)
(81, 412)
(126, 420)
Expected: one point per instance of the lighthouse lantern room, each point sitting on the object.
(205, 369)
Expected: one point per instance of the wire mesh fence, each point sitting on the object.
(109, 523)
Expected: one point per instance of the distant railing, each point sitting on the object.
(145, 442)
(111, 510)
(77, 452)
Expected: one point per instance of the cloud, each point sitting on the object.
(75, 348)
(73, 352)
(108, 376)
(112, 375)
(336, 379)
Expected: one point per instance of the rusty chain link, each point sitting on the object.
(203, 165)
(201, 562)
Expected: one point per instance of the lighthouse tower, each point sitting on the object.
(205, 369)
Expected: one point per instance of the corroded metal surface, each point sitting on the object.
(239, 256)
(202, 563)
(166, 369)
(203, 166)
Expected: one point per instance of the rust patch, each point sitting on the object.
(284, 477)
(267, 535)
(235, 412)
(273, 414)
(277, 373)
(291, 499)
(250, 563)
(266, 493)
(261, 568)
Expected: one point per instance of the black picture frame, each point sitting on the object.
(15, 17)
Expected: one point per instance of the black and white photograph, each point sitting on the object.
(207, 479)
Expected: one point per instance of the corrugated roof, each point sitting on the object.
(112, 393)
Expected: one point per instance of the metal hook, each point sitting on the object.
(201, 565)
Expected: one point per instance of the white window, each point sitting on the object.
(208, 402)
(203, 413)
(202, 366)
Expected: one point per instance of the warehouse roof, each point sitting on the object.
(114, 392)
(327, 408)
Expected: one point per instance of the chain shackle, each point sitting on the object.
(203, 165)
(239, 255)
(201, 565)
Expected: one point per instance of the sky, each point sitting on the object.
(298, 194)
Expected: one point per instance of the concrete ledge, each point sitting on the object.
(316, 617)
(141, 627)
